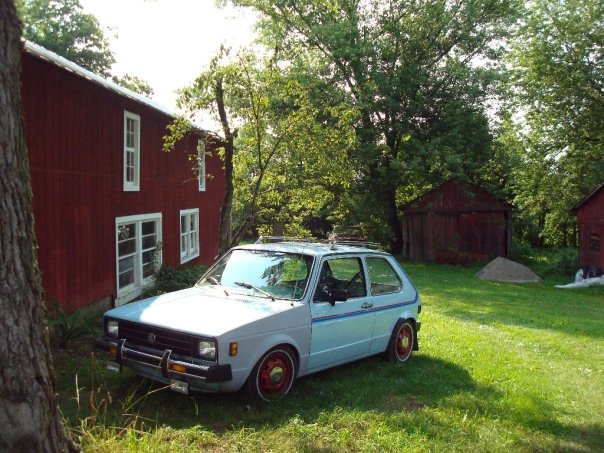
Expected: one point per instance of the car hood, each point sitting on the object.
(200, 311)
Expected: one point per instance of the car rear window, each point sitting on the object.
(382, 276)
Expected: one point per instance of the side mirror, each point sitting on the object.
(337, 295)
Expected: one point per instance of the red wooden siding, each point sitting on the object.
(590, 218)
(74, 129)
(456, 223)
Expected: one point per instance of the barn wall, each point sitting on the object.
(74, 131)
(590, 217)
(456, 223)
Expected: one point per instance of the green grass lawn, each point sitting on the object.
(501, 367)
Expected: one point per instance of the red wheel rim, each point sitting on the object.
(404, 341)
(275, 375)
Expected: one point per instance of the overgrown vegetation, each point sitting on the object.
(499, 369)
(170, 279)
(67, 327)
(547, 261)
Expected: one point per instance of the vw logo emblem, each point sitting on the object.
(151, 338)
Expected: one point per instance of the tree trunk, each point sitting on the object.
(29, 414)
(396, 244)
(225, 241)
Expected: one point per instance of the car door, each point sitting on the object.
(392, 295)
(341, 330)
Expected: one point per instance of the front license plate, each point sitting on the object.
(179, 386)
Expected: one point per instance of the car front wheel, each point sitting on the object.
(273, 376)
(401, 341)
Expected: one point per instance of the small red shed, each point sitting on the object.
(110, 206)
(456, 223)
(590, 218)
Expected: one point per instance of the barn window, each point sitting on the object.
(138, 252)
(201, 164)
(594, 242)
(189, 235)
(132, 127)
(384, 279)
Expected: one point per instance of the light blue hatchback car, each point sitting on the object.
(265, 314)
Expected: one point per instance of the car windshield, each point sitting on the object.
(261, 273)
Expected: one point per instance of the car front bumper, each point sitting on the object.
(164, 366)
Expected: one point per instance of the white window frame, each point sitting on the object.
(133, 290)
(201, 164)
(134, 151)
(188, 237)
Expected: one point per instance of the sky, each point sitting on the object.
(168, 42)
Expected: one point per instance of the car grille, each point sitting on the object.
(158, 338)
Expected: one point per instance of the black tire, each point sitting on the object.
(402, 341)
(273, 376)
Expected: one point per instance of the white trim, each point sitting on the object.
(134, 150)
(201, 164)
(189, 255)
(140, 282)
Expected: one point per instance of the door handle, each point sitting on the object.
(366, 305)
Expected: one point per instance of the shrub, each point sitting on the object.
(173, 279)
(66, 327)
(547, 261)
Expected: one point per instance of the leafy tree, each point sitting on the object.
(275, 142)
(62, 27)
(29, 413)
(410, 70)
(558, 82)
(134, 83)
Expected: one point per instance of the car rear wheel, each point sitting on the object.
(273, 376)
(402, 341)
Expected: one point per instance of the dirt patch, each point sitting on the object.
(504, 270)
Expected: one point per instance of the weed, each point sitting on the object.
(66, 327)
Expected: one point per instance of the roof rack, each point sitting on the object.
(332, 241)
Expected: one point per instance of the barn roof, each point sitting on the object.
(47, 55)
(456, 196)
(586, 199)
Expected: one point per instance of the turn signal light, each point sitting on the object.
(233, 349)
(179, 368)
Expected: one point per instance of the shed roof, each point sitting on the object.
(456, 196)
(586, 199)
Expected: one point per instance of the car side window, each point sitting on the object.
(343, 274)
(382, 276)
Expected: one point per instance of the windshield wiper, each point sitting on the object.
(250, 286)
(217, 283)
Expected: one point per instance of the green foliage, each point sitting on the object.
(555, 262)
(67, 327)
(62, 27)
(407, 69)
(558, 61)
(173, 279)
(290, 147)
(498, 369)
(134, 83)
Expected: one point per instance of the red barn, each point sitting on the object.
(456, 223)
(590, 218)
(110, 205)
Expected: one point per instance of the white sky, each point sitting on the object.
(168, 42)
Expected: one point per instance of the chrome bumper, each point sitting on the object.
(171, 366)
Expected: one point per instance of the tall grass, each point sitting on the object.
(501, 367)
